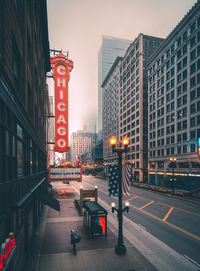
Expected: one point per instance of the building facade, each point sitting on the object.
(50, 133)
(111, 109)
(133, 99)
(174, 105)
(24, 61)
(81, 141)
(111, 48)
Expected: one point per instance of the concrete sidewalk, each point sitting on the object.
(51, 249)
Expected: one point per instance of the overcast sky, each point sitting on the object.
(77, 26)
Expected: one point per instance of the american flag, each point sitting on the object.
(126, 174)
(113, 180)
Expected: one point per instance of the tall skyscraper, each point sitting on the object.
(111, 109)
(133, 98)
(111, 48)
(174, 105)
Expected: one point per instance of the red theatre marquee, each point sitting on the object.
(61, 72)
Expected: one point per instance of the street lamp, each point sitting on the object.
(120, 247)
(173, 166)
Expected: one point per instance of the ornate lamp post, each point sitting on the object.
(173, 166)
(120, 247)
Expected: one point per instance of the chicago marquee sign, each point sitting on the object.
(61, 72)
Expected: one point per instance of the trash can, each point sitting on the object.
(95, 219)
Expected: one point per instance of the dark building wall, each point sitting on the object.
(24, 61)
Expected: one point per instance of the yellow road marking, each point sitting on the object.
(184, 231)
(161, 220)
(168, 213)
(172, 225)
(185, 211)
(146, 205)
(131, 198)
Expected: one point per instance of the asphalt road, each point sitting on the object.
(174, 221)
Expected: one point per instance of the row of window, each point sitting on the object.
(148, 43)
(180, 65)
(181, 137)
(179, 42)
(191, 148)
(194, 121)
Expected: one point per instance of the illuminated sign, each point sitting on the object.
(169, 173)
(199, 146)
(99, 225)
(6, 250)
(65, 173)
(61, 72)
(194, 175)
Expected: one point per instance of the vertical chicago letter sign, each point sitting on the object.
(61, 73)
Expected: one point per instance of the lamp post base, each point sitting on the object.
(120, 249)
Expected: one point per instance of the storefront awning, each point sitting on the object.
(49, 200)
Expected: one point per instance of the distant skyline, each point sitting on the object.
(78, 26)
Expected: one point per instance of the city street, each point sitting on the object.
(173, 221)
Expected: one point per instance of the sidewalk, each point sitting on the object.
(52, 250)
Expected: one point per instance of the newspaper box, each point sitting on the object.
(95, 219)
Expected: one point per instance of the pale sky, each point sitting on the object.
(77, 26)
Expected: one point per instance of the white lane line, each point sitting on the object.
(191, 260)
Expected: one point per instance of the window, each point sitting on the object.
(179, 66)
(193, 41)
(192, 95)
(179, 149)
(192, 108)
(172, 60)
(179, 41)
(185, 124)
(193, 55)
(16, 4)
(192, 68)
(192, 82)
(179, 90)
(184, 148)
(179, 102)
(184, 36)
(184, 99)
(184, 86)
(193, 28)
(192, 148)
(16, 62)
(184, 136)
(179, 78)
(185, 49)
(178, 126)
(19, 158)
(192, 134)
(168, 64)
(179, 138)
(185, 61)
(184, 74)
(179, 54)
